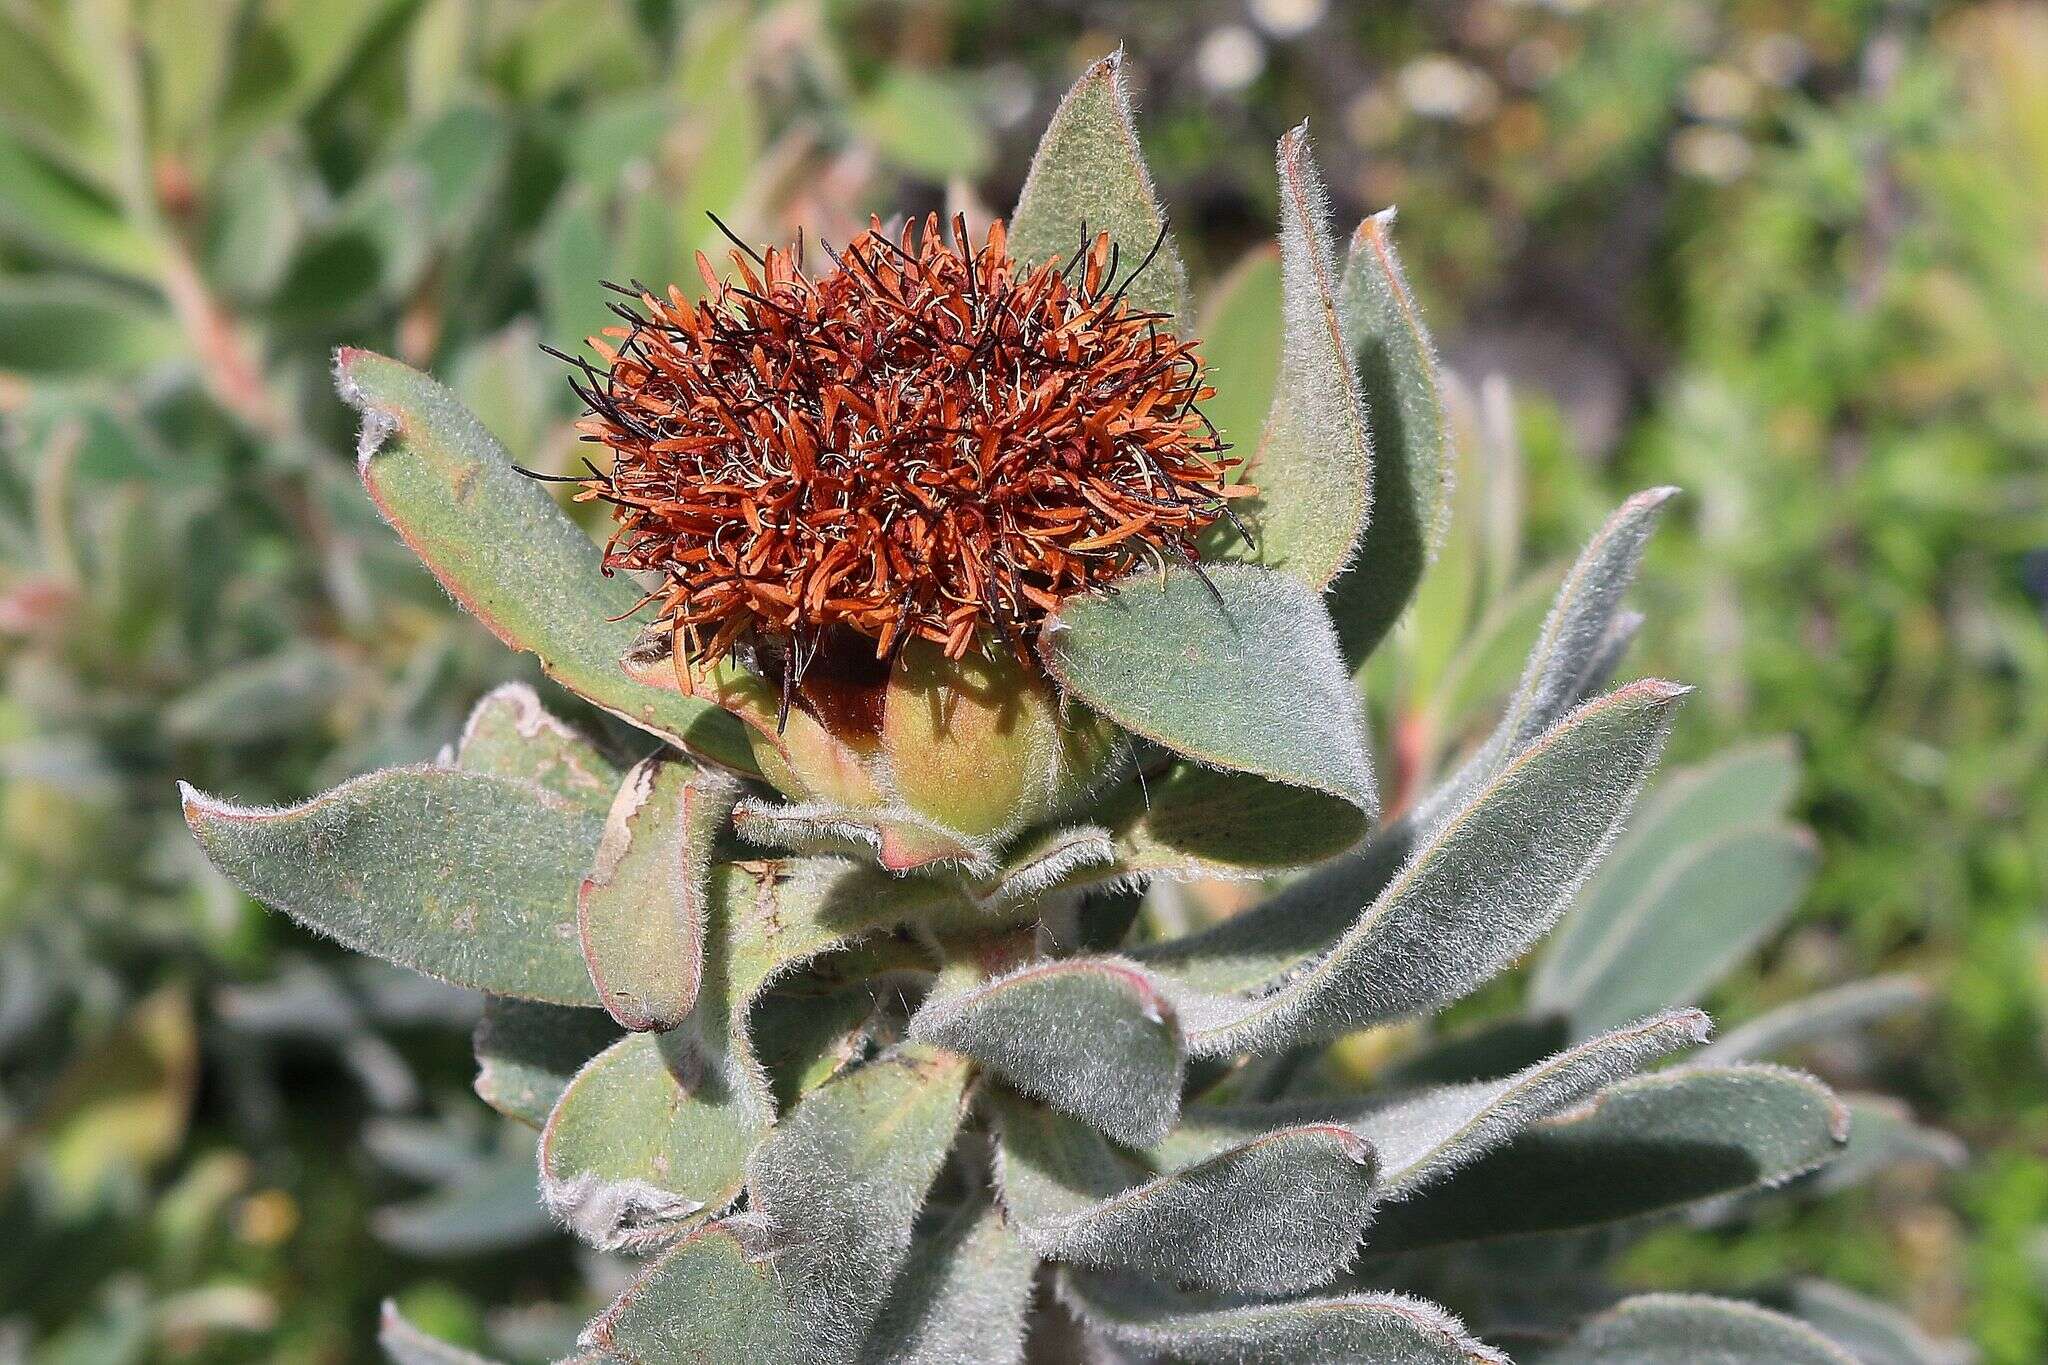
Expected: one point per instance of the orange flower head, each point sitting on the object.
(930, 440)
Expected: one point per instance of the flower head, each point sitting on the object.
(930, 440)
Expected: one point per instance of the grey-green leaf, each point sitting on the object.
(1703, 912)
(641, 911)
(1744, 787)
(1568, 646)
(405, 1344)
(962, 1296)
(1089, 1036)
(839, 1183)
(1645, 1145)
(1817, 1017)
(526, 1054)
(1312, 468)
(1239, 670)
(1692, 1329)
(1194, 821)
(1875, 1333)
(506, 553)
(1424, 1136)
(461, 876)
(1466, 902)
(1279, 1213)
(1089, 172)
(644, 1141)
(1402, 389)
(1337, 1330)
(709, 1300)
(509, 734)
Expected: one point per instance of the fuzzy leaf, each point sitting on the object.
(897, 839)
(839, 1183)
(1644, 1145)
(1745, 787)
(1423, 1137)
(765, 921)
(962, 1296)
(1692, 1329)
(526, 1054)
(1241, 332)
(643, 1141)
(1313, 465)
(405, 1344)
(1481, 1052)
(1075, 856)
(640, 913)
(1279, 1213)
(707, 1300)
(1089, 1036)
(505, 552)
(1247, 950)
(815, 1023)
(1193, 822)
(509, 734)
(1884, 1134)
(463, 877)
(1817, 1017)
(1088, 172)
(1875, 1333)
(1402, 390)
(1319, 1331)
(1251, 682)
(1704, 911)
(1466, 902)
(1569, 646)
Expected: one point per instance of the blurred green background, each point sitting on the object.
(1792, 256)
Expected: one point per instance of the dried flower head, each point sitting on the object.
(931, 440)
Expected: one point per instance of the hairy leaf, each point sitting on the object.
(765, 921)
(1317, 1331)
(706, 1300)
(526, 1054)
(1238, 670)
(1705, 910)
(1088, 174)
(1570, 643)
(643, 1141)
(837, 1188)
(509, 734)
(1423, 1137)
(1817, 1017)
(640, 913)
(464, 877)
(1692, 1329)
(1193, 822)
(506, 553)
(1653, 1143)
(1279, 1213)
(1089, 1036)
(1313, 467)
(1243, 326)
(962, 1296)
(1883, 1134)
(1403, 396)
(1874, 1333)
(1741, 789)
(1466, 902)
(898, 839)
(405, 1344)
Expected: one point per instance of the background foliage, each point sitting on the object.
(1788, 255)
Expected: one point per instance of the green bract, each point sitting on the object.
(865, 1036)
